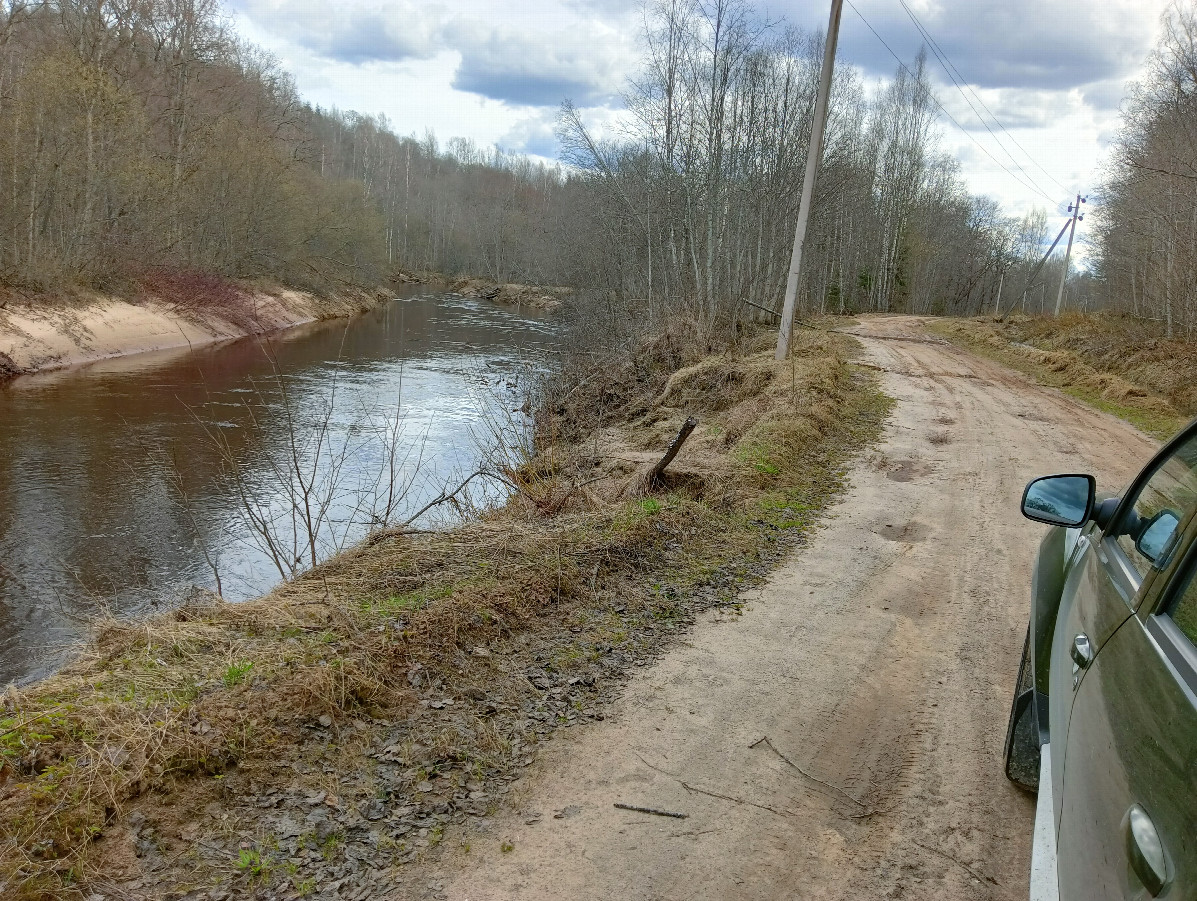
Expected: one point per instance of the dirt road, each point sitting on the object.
(842, 739)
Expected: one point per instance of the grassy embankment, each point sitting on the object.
(1114, 363)
(356, 712)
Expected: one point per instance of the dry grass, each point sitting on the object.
(1115, 363)
(431, 634)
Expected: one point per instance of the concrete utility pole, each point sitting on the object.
(1034, 272)
(1075, 209)
(813, 156)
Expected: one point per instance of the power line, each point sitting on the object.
(939, 52)
(952, 118)
(961, 83)
(948, 67)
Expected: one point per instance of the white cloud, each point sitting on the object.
(1053, 71)
(586, 64)
(533, 135)
(359, 32)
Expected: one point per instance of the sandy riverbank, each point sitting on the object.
(36, 337)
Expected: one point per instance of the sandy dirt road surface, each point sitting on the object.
(843, 738)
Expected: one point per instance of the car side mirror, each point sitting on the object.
(1064, 500)
(1158, 536)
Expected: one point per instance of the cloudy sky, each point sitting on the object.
(1053, 71)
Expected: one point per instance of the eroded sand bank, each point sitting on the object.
(37, 336)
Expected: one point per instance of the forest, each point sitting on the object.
(1147, 231)
(144, 137)
(698, 202)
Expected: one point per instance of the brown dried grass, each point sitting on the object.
(1114, 362)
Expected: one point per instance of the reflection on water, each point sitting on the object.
(111, 488)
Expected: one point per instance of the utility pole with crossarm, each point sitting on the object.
(1075, 209)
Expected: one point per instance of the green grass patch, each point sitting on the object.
(405, 602)
(236, 673)
(255, 865)
(1161, 426)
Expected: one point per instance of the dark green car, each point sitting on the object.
(1104, 719)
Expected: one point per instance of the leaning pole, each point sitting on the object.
(813, 155)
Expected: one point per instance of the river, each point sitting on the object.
(125, 483)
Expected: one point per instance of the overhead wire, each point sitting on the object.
(943, 110)
(946, 61)
(957, 78)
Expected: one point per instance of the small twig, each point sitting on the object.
(653, 810)
(977, 876)
(702, 791)
(657, 768)
(835, 788)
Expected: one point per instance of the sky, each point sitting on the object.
(1052, 71)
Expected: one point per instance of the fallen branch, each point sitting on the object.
(835, 788)
(688, 426)
(444, 497)
(653, 810)
(911, 338)
(702, 791)
(960, 863)
(772, 313)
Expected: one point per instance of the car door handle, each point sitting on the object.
(1145, 850)
(1082, 651)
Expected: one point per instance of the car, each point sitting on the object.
(1103, 724)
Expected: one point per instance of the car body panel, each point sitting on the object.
(1058, 553)
(1132, 741)
(1093, 603)
(1047, 588)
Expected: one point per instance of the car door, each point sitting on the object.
(1127, 809)
(1098, 597)
(1106, 576)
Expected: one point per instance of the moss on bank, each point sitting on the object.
(403, 682)
(1113, 363)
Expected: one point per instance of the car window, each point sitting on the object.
(1149, 530)
(1184, 611)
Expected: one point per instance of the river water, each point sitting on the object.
(125, 483)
